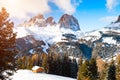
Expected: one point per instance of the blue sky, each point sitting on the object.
(91, 14)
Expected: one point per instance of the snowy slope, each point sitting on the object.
(49, 34)
(29, 75)
(105, 40)
(106, 34)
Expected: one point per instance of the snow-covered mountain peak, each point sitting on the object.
(38, 20)
(47, 31)
(69, 22)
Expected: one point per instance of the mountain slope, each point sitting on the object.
(105, 42)
(58, 37)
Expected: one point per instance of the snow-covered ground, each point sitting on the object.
(29, 75)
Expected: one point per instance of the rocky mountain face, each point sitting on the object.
(37, 34)
(105, 41)
(41, 37)
(69, 22)
(50, 21)
(39, 20)
(118, 20)
(75, 49)
(29, 45)
(66, 21)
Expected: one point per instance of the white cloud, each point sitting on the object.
(110, 4)
(20, 8)
(76, 2)
(109, 19)
(67, 6)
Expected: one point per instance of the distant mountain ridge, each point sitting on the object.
(44, 35)
(66, 21)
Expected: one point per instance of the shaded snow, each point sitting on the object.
(29, 75)
(45, 47)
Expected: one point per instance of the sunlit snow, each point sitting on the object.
(29, 75)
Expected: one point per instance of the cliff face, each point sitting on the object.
(118, 20)
(69, 22)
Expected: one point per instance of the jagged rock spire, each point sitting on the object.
(118, 20)
(69, 22)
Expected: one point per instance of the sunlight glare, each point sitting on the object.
(12, 1)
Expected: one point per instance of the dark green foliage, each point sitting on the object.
(88, 70)
(83, 72)
(7, 43)
(61, 65)
(74, 68)
(66, 66)
(44, 64)
(29, 63)
(25, 63)
(118, 68)
(50, 63)
(93, 69)
(112, 72)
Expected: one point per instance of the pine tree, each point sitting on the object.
(93, 69)
(50, 63)
(24, 63)
(59, 65)
(83, 73)
(74, 68)
(19, 63)
(29, 63)
(66, 66)
(118, 67)
(112, 71)
(7, 43)
(44, 64)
